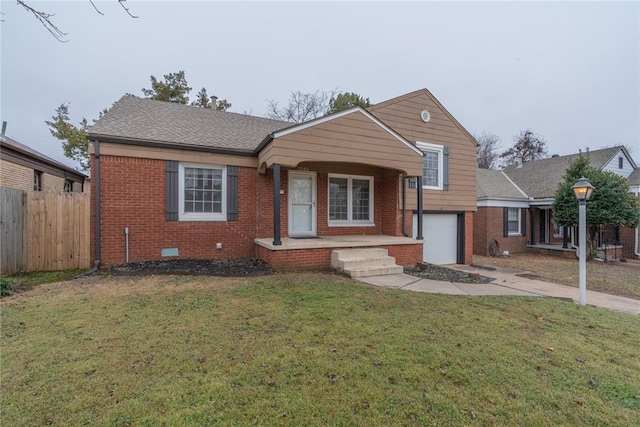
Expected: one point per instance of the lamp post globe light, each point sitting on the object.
(583, 191)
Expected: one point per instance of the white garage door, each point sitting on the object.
(440, 232)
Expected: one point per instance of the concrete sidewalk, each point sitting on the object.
(507, 282)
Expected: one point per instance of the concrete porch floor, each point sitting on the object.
(325, 242)
(551, 247)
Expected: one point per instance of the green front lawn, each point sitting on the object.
(309, 349)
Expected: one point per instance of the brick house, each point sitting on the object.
(514, 206)
(189, 182)
(24, 168)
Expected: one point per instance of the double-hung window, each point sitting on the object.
(37, 180)
(514, 222)
(202, 192)
(432, 165)
(350, 200)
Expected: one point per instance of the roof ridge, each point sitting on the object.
(197, 107)
(435, 100)
(514, 184)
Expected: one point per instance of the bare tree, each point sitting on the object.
(487, 150)
(301, 106)
(45, 18)
(528, 147)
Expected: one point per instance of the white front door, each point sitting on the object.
(302, 204)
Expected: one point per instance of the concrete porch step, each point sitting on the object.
(364, 262)
(381, 270)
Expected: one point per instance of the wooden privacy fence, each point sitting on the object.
(12, 230)
(56, 230)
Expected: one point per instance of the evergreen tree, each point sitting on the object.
(75, 144)
(347, 100)
(173, 88)
(611, 203)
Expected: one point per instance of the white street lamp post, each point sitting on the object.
(582, 190)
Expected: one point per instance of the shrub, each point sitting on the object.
(6, 288)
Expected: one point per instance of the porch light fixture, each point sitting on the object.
(583, 191)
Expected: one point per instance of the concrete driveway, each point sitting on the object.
(507, 282)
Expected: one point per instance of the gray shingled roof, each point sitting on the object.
(8, 142)
(495, 184)
(140, 119)
(634, 178)
(540, 178)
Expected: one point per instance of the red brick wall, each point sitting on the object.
(320, 259)
(628, 238)
(488, 225)
(405, 254)
(628, 241)
(299, 259)
(480, 241)
(387, 215)
(391, 214)
(133, 196)
(468, 237)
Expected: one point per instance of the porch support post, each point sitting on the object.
(419, 198)
(276, 205)
(565, 237)
(532, 211)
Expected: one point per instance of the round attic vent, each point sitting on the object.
(425, 116)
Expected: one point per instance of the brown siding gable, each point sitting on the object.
(350, 136)
(385, 104)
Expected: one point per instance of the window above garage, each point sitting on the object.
(435, 166)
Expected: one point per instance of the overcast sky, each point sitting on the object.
(568, 71)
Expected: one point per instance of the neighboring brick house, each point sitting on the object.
(530, 187)
(26, 169)
(191, 182)
(501, 215)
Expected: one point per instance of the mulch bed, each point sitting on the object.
(196, 267)
(436, 272)
(256, 267)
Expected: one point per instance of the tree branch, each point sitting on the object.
(45, 20)
(125, 8)
(95, 7)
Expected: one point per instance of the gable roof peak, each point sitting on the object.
(426, 92)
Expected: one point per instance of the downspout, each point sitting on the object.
(404, 204)
(277, 241)
(126, 244)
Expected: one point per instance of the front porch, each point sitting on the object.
(554, 250)
(315, 253)
(605, 252)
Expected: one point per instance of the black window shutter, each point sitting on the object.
(505, 222)
(232, 193)
(171, 191)
(445, 168)
(523, 221)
